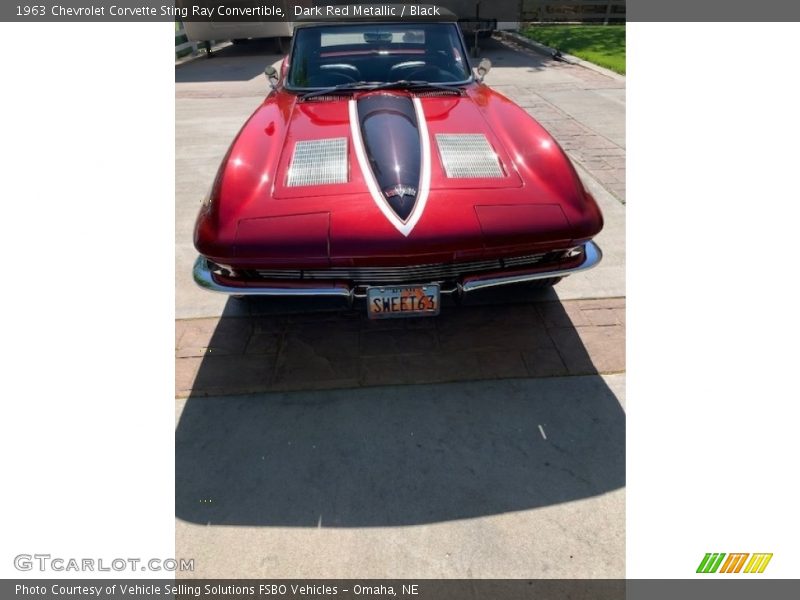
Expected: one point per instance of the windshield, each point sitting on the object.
(332, 55)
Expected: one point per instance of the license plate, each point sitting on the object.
(405, 301)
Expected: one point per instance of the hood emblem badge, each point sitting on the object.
(400, 190)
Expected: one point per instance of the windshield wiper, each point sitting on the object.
(342, 87)
(405, 84)
(402, 84)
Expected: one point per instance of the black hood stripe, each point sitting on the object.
(390, 140)
(389, 128)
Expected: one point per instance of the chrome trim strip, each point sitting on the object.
(366, 169)
(593, 255)
(425, 168)
(205, 279)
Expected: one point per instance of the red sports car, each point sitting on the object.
(381, 167)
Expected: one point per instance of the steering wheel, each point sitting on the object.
(343, 68)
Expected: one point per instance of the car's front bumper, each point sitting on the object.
(204, 277)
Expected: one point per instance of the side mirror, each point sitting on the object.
(483, 68)
(272, 76)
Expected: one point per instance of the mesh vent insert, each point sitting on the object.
(467, 155)
(318, 162)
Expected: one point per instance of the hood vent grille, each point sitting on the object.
(325, 98)
(438, 93)
(468, 156)
(318, 162)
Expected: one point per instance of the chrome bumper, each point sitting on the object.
(205, 279)
(592, 255)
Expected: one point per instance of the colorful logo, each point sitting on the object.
(734, 562)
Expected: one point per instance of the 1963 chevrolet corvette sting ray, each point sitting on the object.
(380, 166)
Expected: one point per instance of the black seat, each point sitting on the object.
(345, 69)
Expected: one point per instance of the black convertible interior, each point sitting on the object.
(326, 56)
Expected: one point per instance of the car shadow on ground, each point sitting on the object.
(241, 62)
(395, 455)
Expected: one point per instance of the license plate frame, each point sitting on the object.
(406, 299)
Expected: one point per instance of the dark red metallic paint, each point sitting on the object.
(252, 219)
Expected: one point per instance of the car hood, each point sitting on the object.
(385, 126)
(390, 174)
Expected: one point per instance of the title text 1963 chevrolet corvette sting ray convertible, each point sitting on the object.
(381, 167)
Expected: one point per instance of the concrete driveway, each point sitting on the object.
(487, 442)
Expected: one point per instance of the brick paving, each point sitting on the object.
(582, 109)
(234, 355)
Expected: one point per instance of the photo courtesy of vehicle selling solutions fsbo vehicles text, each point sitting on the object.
(400, 318)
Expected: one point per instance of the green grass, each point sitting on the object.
(603, 45)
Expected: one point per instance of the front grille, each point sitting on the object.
(407, 274)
